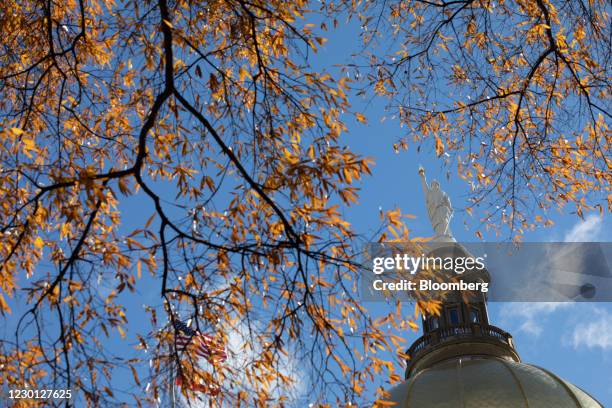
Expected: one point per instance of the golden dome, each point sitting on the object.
(488, 382)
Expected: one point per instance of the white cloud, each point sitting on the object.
(587, 230)
(241, 352)
(596, 333)
(530, 316)
(586, 326)
(566, 265)
(595, 327)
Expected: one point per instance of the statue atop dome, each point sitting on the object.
(439, 208)
(462, 360)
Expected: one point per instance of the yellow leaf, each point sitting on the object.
(360, 118)
(39, 243)
(439, 146)
(4, 307)
(28, 146)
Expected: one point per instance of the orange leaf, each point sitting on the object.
(439, 146)
(39, 243)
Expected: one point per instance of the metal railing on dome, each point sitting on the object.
(451, 333)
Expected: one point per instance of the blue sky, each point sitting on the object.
(572, 340)
(558, 337)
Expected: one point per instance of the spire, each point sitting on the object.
(462, 328)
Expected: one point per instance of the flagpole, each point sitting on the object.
(172, 382)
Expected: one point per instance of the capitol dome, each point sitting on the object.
(488, 382)
(463, 361)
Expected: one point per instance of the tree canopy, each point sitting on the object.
(216, 115)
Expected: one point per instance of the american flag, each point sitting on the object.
(205, 346)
